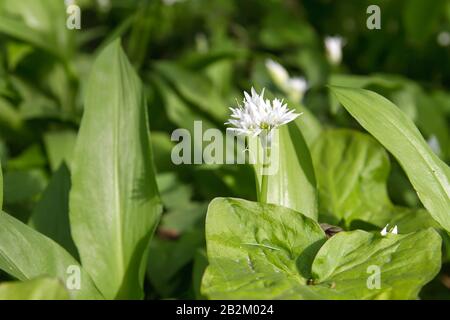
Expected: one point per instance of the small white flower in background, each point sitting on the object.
(385, 230)
(443, 39)
(258, 117)
(69, 2)
(278, 73)
(295, 87)
(333, 46)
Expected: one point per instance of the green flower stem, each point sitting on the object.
(264, 177)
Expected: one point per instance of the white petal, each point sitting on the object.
(395, 230)
(333, 46)
(277, 72)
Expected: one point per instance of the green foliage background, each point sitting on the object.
(193, 59)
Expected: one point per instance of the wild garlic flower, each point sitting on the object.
(333, 46)
(258, 117)
(297, 87)
(385, 230)
(277, 72)
(294, 87)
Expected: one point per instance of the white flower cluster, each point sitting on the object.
(333, 46)
(258, 115)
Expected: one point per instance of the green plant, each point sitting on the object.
(93, 205)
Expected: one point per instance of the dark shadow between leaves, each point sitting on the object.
(304, 158)
(306, 258)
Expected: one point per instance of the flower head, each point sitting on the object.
(297, 87)
(257, 115)
(333, 46)
(278, 73)
(294, 87)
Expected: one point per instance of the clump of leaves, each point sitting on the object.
(265, 251)
(113, 204)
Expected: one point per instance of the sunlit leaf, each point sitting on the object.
(35, 289)
(260, 251)
(291, 180)
(114, 202)
(26, 254)
(429, 175)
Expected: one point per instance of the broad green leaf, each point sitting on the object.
(51, 214)
(36, 289)
(262, 251)
(311, 127)
(114, 202)
(26, 254)
(291, 180)
(419, 106)
(257, 251)
(406, 263)
(428, 174)
(351, 170)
